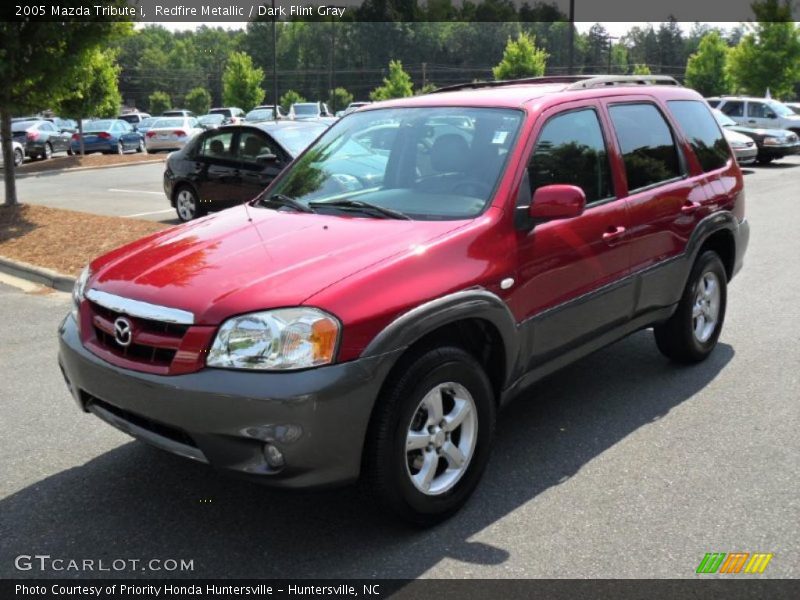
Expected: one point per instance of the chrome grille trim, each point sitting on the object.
(138, 308)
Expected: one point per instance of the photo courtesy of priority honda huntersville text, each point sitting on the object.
(417, 266)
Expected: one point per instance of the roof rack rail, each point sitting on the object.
(574, 82)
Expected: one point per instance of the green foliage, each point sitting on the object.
(198, 100)
(769, 55)
(159, 102)
(95, 93)
(426, 89)
(396, 85)
(706, 70)
(241, 82)
(289, 98)
(639, 69)
(339, 98)
(521, 58)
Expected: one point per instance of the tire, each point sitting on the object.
(764, 160)
(48, 151)
(395, 475)
(187, 205)
(691, 334)
(120, 147)
(140, 148)
(70, 152)
(19, 157)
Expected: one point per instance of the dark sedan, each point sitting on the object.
(772, 143)
(223, 167)
(40, 138)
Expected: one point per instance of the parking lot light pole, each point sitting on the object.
(274, 64)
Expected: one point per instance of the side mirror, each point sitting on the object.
(558, 201)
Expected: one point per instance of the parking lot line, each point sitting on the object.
(135, 191)
(144, 214)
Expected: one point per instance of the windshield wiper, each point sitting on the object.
(386, 213)
(284, 200)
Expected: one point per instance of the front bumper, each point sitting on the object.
(317, 418)
(746, 156)
(780, 151)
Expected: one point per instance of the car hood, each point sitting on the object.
(757, 131)
(247, 258)
(735, 136)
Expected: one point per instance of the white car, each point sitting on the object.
(171, 133)
(763, 113)
(744, 148)
(19, 154)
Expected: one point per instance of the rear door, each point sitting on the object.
(573, 272)
(759, 114)
(215, 171)
(260, 159)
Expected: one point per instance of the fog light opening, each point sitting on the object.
(274, 456)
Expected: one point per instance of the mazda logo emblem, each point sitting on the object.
(123, 332)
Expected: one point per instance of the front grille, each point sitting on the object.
(166, 431)
(155, 343)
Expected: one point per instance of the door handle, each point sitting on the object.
(690, 207)
(753, 121)
(612, 236)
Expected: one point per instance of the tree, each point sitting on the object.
(159, 102)
(241, 82)
(639, 69)
(521, 58)
(706, 70)
(95, 92)
(198, 100)
(36, 74)
(289, 98)
(769, 55)
(339, 99)
(396, 85)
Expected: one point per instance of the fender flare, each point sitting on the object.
(476, 303)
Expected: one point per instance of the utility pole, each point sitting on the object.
(571, 37)
(274, 64)
(424, 74)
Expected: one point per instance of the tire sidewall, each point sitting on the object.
(707, 262)
(469, 374)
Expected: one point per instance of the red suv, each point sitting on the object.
(420, 264)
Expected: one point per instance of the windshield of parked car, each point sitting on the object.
(133, 119)
(305, 110)
(780, 109)
(429, 163)
(22, 125)
(723, 119)
(226, 112)
(164, 123)
(211, 119)
(296, 139)
(259, 114)
(98, 126)
(148, 122)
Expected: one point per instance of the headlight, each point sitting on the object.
(276, 340)
(738, 145)
(773, 141)
(78, 290)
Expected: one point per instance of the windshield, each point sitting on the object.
(723, 119)
(97, 126)
(226, 112)
(164, 123)
(22, 125)
(296, 139)
(130, 118)
(780, 109)
(148, 122)
(259, 114)
(306, 109)
(215, 118)
(432, 163)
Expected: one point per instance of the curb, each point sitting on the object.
(23, 174)
(41, 275)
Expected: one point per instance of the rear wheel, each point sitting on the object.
(19, 157)
(120, 147)
(430, 435)
(691, 334)
(187, 204)
(48, 151)
(140, 148)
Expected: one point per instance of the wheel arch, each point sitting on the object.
(715, 232)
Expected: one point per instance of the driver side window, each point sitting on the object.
(571, 150)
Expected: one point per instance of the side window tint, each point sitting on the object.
(253, 146)
(646, 143)
(759, 110)
(733, 109)
(702, 131)
(218, 146)
(571, 150)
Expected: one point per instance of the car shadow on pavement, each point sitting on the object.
(137, 502)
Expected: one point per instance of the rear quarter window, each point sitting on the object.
(647, 146)
(702, 132)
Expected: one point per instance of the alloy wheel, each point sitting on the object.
(705, 311)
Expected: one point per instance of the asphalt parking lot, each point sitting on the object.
(622, 465)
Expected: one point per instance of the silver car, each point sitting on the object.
(171, 133)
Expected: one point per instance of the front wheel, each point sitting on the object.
(19, 157)
(765, 160)
(140, 148)
(430, 435)
(120, 147)
(48, 151)
(691, 334)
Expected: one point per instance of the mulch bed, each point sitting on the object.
(90, 160)
(64, 240)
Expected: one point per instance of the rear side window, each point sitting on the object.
(733, 108)
(702, 131)
(217, 145)
(645, 140)
(571, 150)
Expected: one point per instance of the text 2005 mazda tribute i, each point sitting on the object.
(421, 262)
